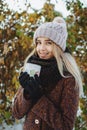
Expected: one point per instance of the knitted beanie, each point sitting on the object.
(55, 31)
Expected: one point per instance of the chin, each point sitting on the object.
(43, 57)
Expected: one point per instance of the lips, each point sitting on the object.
(43, 55)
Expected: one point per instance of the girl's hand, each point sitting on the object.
(32, 86)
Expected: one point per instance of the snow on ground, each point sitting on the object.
(11, 127)
(18, 125)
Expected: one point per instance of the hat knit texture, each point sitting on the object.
(55, 31)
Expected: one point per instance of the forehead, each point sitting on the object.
(43, 38)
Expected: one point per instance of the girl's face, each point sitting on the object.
(44, 48)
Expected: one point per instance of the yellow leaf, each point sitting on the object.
(1, 17)
(1, 60)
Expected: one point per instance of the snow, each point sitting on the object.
(18, 125)
(11, 127)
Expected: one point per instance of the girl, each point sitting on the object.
(49, 101)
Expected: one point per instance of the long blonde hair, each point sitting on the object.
(65, 60)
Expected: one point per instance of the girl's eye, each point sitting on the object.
(49, 43)
(37, 42)
(46, 42)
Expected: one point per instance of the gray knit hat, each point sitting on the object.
(55, 31)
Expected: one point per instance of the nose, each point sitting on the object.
(42, 47)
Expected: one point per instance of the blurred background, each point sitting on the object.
(18, 21)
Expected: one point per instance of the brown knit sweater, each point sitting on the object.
(55, 110)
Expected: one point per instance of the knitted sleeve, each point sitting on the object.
(20, 105)
(62, 118)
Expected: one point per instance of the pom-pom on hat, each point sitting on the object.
(55, 31)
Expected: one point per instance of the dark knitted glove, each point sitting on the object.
(31, 85)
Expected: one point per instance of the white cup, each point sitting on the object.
(32, 69)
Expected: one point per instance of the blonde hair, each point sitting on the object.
(66, 61)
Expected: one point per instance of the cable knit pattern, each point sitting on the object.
(55, 110)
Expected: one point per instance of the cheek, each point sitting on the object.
(50, 49)
(37, 48)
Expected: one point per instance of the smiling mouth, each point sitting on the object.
(43, 55)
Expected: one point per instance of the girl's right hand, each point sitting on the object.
(31, 85)
(24, 76)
